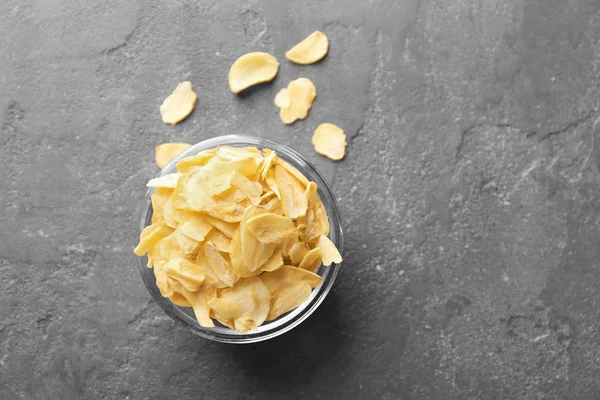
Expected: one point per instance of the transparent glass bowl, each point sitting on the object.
(286, 322)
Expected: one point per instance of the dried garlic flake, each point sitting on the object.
(179, 104)
(330, 140)
(251, 69)
(300, 94)
(310, 50)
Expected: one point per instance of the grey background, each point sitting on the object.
(469, 194)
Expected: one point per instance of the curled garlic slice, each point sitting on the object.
(179, 104)
(310, 50)
(251, 69)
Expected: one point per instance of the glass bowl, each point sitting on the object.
(286, 322)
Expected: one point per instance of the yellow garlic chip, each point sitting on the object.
(251, 69)
(199, 301)
(166, 250)
(225, 310)
(229, 153)
(216, 184)
(227, 228)
(172, 215)
(167, 151)
(159, 198)
(321, 220)
(188, 246)
(310, 50)
(219, 265)
(251, 189)
(329, 253)
(231, 195)
(272, 183)
(312, 260)
(301, 93)
(191, 193)
(266, 197)
(311, 194)
(293, 198)
(275, 262)
(313, 228)
(289, 276)
(195, 226)
(292, 170)
(197, 160)
(317, 222)
(330, 140)
(247, 303)
(179, 300)
(221, 242)
(224, 230)
(237, 259)
(189, 275)
(150, 237)
(211, 281)
(272, 228)
(282, 99)
(162, 281)
(165, 181)
(274, 206)
(214, 178)
(266, 164)
(178, 105)
(287, 299)
(254, 253)
(297, 252)
(228, 212)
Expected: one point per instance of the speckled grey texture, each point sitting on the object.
(470, 196)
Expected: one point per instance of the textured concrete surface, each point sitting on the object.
(470, 195)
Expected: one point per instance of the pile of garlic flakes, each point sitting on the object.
(237, 234)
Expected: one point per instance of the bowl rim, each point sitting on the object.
(288, 321)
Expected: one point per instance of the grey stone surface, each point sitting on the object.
(470, 195)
